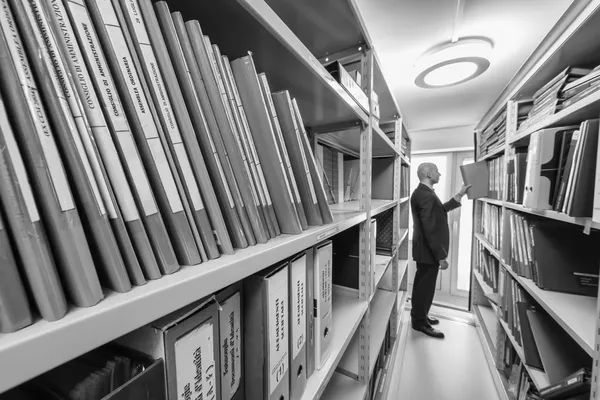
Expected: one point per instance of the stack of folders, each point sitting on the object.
(288, 324)
(493, 135)
(546, 346)
(134, 147)
(555, 255)
(106, 373)
(492, 224)
(555, 175)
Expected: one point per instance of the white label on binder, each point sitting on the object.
(53, 162)
(188, 176)
(58, 77)
(166, 177)
(278, 327)
(231, 346)
(138, 174)
(298, 288)
(18, 165)
(195, 364)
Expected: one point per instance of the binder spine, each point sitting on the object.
(36, 141)
(102, 78)
(51, 73)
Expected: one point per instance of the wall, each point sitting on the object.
(460, 137)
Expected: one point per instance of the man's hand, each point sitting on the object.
(444, 265)
(463, 190)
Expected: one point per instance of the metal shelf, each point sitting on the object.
(278, 52)
(348, 311)
(492, 153)
(381, 308)
(492, 201)
(555, 215)
(347, 141)
(343, 387)
(488, 245)
(382, 265)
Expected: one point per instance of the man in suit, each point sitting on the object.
(430, 244)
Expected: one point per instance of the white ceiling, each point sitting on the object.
(401, 30)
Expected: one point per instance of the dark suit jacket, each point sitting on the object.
(431, 236)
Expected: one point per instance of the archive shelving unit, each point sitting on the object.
(284, 49)
(575, 43)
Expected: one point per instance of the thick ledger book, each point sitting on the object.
(297, 336)
(293, 142)
(164, 259)
(266, 358)
(145, 131)
(220, 240)
(231, 323)
(231, 109)
(266, 143)
(48, 68)
(216, 94)
(173, 119)
(188, 341)
(179, 51)
(249, 147)
(542, 167)
(476, 175)
(323, 301)
(66, 57)
(281, 145)
(50, 183)
(22, 220)
(14, 306)
(315, 173)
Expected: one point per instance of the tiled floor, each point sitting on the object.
(451, 369)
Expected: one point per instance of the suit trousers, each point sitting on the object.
(423, 292)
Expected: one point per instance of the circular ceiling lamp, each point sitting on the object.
(453, 63)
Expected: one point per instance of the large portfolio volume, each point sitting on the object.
(174, 121)
(281, 145)
(231, 323)
(188, 341)
(22, 220)
(268, 151)
(542, 167)
(186, 125)
(14, 307)
(297, 336)
(196, 99)
(147, 134)
(51, 186)
(49, 68)
(293, 142)
(266, 357)
(315, 173)
(103, 82)
(323, 302)
(216, 94)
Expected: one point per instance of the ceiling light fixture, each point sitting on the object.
(453, 63)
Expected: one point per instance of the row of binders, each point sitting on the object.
(491, 226)
(558, 174)
(133, 146)
(404, 181)
(545, 345)
(557, 256)
(488, 266)
(494, 135)
(567, 88)
(260, 338)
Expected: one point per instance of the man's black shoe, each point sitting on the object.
(433, 321)
(429, 331)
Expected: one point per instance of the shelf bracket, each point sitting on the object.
(349, 55)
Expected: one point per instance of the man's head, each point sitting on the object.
(428, 173)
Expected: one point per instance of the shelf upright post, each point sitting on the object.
(366, 273)
(396, 224)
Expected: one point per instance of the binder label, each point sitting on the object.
(298, 288)
(195, 364)
(166, 178)
(68, 103)
(188, 177)
(18, 165)
(53, 162)
(231, 346)
(278, 327)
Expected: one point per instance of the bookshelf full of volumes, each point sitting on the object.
(535, 252)
(168, 228)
